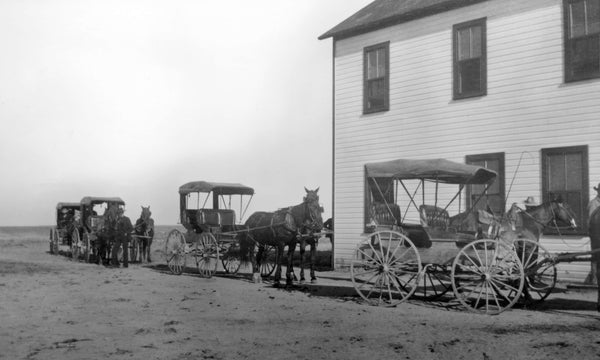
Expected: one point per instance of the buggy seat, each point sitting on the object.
(215, 217)
(434, 217)
(385, 215)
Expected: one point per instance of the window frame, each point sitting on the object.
(456, 95)
(585, 196)
(568, 44)
(386, 78)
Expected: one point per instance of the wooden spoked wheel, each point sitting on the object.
(175, 251)
(86, 246)
(268, 261)
(231, 260)
(487, 276)
(206, 254)
(434, 282)
(75, 245)
(386, 268)
(540, 270)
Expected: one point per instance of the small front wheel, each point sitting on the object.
(386, 268)
(175, 252)
(206, 253)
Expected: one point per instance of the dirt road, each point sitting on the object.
(54, 308)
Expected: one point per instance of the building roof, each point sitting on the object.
(384, 13)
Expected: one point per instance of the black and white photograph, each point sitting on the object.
(280, 179)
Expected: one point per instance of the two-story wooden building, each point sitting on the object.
(509, 84)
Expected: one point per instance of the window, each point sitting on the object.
(493, 199)
(565, 175)
(470, 59)
(582, 39)
(376, 78)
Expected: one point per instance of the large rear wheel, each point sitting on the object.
(206, 253)
(175, 251)
(386, 268)
(487, 276)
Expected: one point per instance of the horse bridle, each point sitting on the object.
(553, 219)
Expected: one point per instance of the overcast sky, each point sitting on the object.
(135, 98)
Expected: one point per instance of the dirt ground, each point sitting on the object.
(54, 308)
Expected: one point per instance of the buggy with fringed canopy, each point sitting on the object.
(413, 246)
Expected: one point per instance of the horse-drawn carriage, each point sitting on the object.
(212, 226)
(67, 215)
(422, 250)
(90, 226)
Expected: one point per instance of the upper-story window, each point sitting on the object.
(376, 92)
(470, 59)
(582, 39)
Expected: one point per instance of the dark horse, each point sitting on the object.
(144, 229)
(594, 231)
(284, 227)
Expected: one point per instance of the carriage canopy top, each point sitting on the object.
(89, 200)
(216, 187)
(62, 205)
(442, 170)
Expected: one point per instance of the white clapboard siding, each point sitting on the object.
(528, 107)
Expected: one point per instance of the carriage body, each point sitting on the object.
(91, 225)
(412, 246)
(67, 216)
(206, 211)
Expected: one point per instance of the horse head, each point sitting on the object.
(146, 213)
(313, 219)
(563, 212)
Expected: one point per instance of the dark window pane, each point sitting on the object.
(469, 76)
(371, 65)
(556, 172)
(593, 16)
(381, 63)
(476, 41)
(585, 56)
(574, 170)
(577, 19)
(464, 44)
(375, 93)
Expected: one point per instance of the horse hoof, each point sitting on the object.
(302, 282)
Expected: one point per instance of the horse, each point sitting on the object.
(281, 228)
(594, 232)
(144, 229)
(530, 223)
(517, 222)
